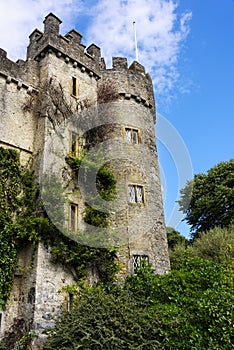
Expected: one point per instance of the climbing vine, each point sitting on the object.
(17, 215)
(51, 101)
(23, 220)
(96, 214)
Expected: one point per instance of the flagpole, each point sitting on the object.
(135, 39)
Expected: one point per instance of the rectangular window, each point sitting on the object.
(74, 87)
(70, 301)
(135, 138)
(1, 321)
(132, 136)
(139, 260)
(128, 135)
(73, 220)
(135, 194)
(132, 197)
(74, 144)
(139, 194)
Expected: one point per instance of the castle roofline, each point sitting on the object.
(70, 48)
(51, 14)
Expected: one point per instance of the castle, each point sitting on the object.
(61, 99)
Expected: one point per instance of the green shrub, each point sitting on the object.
(106, 321)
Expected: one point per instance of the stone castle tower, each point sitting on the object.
(61, 99)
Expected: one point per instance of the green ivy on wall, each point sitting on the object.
(105, 184)
(17, 215)
(23, 220)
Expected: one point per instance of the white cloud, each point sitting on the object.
(161, 32)
(19, 18)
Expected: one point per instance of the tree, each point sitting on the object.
(216, 245)
(174, 238)
(208, 199)
(195, 303)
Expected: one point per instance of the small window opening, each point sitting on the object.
(132, 136)
(135, 194)
(74, 144)
(139, 260)
(73, 224)
(135, 138)
(74, 86)
(31, 296)
(2, 326)
(70, 301)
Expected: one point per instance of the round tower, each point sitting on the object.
(127, 109)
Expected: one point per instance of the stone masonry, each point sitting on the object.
(110, 111)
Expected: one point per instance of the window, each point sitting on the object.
(73, 219)
(132, 136)
(139, 260)
(74, 87)
(70, 302)
(135, 194)
(31, 296)
(1, 321)
(74, 144)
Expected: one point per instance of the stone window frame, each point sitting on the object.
(73, 217)
(137, 199)
(137, 260)
(74, 87)
(132, 131)
(73, 143)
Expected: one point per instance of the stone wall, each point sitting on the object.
(50, 279)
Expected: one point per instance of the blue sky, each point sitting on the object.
(204, 116)
(186, 46)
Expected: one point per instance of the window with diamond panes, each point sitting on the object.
(135, 194)
(132, 136)
(139, 260)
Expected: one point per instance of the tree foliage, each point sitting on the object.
(189, 308)
(216, 245)
(17, 210)
(174, 238)
(102, 320)
(194, 301)
(208, 200)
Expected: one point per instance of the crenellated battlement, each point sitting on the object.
(24, 72)
(132, 82)
(68, 46)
